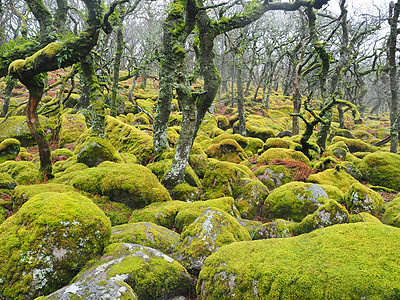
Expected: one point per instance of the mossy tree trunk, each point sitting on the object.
(394, 85)
(10, 84)
(240, 97)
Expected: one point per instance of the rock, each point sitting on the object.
(23, 172)
(273, 176)
(339, 150)
(145, 234)
(222, 122)
(185, 192)
(354, 145)
(71, 127)
(392, 213)
(360, 198)
(339, 179)
(93, 290)
(281, 153)
(272, 230)
(47, 242)
(131, 184)
(150, 273)
(382, 169)
(348, 261)
(210, 231)
(227, 150)
(294, 201)
(7, 182)
(9, 149)
(331, 213)
(95, 151)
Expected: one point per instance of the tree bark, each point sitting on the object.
(10, 84)
(240, 97)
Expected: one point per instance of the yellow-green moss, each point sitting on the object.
(348, 261)
(339, 179)
(272, 230)
(354, 145)
(47, 242)
(280, 153)
(223, 122)
(392, 213)
(227, 150)
(9, 149)
(71, 127)
(95, 151)
(23, 172)
(360, 198)
(363, 217)
(185, 192)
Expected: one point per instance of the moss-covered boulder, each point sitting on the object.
(382, 169)
(363, 217)
(360, 198)
(150, 273)
(9, 149)
(339, 150)
(339, 179)
(348, 261)
(294, 201)
(392, 213)
(224, 179)
(354, 145)
(280, 143)
(273, 176)
(191, 211)
(103, 289)
(7, 182)
(160, 169)
(23, 193)
(162, 214)
(47, 242)
(281, 153)
(131, 184)
(227, 150)
(145, 234)
(95, 151)
(260, 127)
(272, 230)
(23, 172)
(71, 127)
(17, 128)
(331, 213)
(185, 192)
(210, 231)
(222, 122)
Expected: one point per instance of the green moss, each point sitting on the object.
(339, 150)
(62, 152)
(294, 201)
(360, 198)
(276, 229)
(277, 143)
(222, 122)
(96, 151)
(23, 193)
(348, 261)
(241, 140)
(334, 193)
(253, 145)
(354, 145)
(71, 127)
(185, 192)
(273, 176)
(280, 153)
(199, 163)
(339, 179)
(160, 169)
(131, 184)
(47, 241)
(363, 217)
(7, 182)
(392, 213)
(227, 150)
(151, 274)
(162, 214)
(382, 168)
(261, 127)
(210, 231)
(9, 149)
(145, 234)
(23, 172)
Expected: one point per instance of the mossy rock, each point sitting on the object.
(23, 193)
(339, 150)
(382, 168)
(241, 140)
(191, 211)
(9, 149)
(261, 127)
(363, 217)
(150, 273)
(341, 133)
(185, 192)
(222, 122)
(67, 166)
(351, 169)
(354, 145)
(347, 261)
(102, 289)
(47, 242)
(71, 127)
(160, 169)
(364, 136)
(97, 150)
(199, 163)
(253, 145)
(17, 128)
(360, 198)
(273, 176)
(277, 143)
(162, 214)
(7, 182)
(392, 213)
(23, 172)
(272, 230)
(131, 184)
(334, 193)
(145, 234)
(208, 123)
(330, 213)
(280, 153)
(227, 150)
(138, 119)
(213, 229)
(339, 179)
(62, 152)
(250, 225)
(294, 201)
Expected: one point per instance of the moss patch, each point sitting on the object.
(360, 198)
(97, 150)
(23, 172)
(280, 153)
(9, 149)
(339, 179)
(71, 127)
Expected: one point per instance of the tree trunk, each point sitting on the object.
(10, 84)
(117, 64)
(240, 98)
(86, 77)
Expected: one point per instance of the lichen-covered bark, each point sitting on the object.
(60, 16)
(240, 99)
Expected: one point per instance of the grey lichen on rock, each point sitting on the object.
(97, 150)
